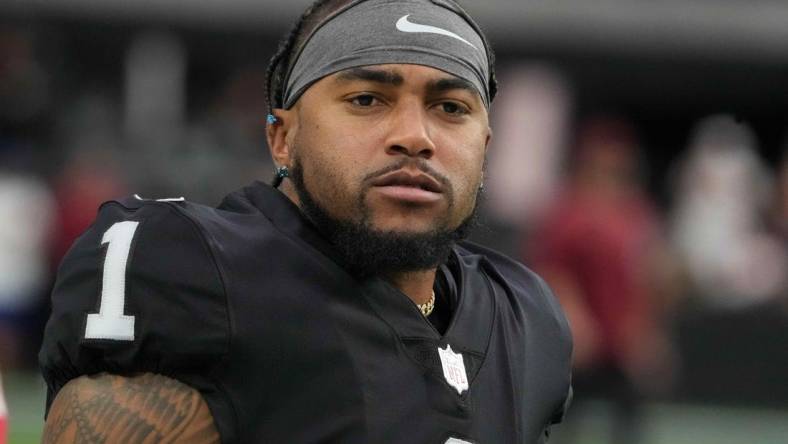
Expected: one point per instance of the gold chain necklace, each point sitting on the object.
(427, 307)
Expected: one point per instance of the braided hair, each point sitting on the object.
(291, 46)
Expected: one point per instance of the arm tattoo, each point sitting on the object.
(147, 408)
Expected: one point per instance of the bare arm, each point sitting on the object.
(147, 408)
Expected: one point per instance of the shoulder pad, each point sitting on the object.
(531, 291)
(138, 291)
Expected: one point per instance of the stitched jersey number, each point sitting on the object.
(110, 322)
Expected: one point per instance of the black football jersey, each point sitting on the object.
(248, 304)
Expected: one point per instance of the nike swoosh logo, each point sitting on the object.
(405, 26)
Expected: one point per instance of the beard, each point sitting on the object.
(366, 251)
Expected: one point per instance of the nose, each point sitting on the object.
(409, 132)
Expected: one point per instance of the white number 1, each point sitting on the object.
(110, 322)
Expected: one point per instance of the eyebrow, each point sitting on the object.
(371, 75)
(393, 78)
(449, 84)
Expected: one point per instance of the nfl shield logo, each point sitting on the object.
(453, 369)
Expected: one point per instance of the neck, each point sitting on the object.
(286, 188)
(416, 285)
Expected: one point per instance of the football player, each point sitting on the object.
(340, 304)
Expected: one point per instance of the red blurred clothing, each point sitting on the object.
(78, 192)
(601, 243)
(3, 416)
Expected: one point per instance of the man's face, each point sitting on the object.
(398, 148)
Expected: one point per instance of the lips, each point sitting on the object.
(412, 189)
(404, 179)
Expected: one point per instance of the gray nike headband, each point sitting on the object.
(435, 33)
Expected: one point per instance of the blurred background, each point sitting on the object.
(639, 163)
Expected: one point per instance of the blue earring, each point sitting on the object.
(271, 119)
(279, 176)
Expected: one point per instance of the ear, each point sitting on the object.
(279, 134)
(488, 139)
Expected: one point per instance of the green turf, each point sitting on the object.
(664, 423)
(25, 394)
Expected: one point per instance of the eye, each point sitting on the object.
(453, 108)
(363, 100)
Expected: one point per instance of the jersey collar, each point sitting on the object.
(471, 323)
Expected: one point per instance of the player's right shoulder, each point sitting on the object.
(130, 409)
(139, 291)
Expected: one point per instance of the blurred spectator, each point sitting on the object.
(779, 221)
(24, 84)
(154, 90)
(225, 146)
(25, 216)
(90, 178)
(218, 149)
(530, 123)
(779, 215)
(718, 219)
(530, 126)
(601, 250)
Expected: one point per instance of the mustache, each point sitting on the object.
(419, 164)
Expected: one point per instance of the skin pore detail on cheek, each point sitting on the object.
(320, 165)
